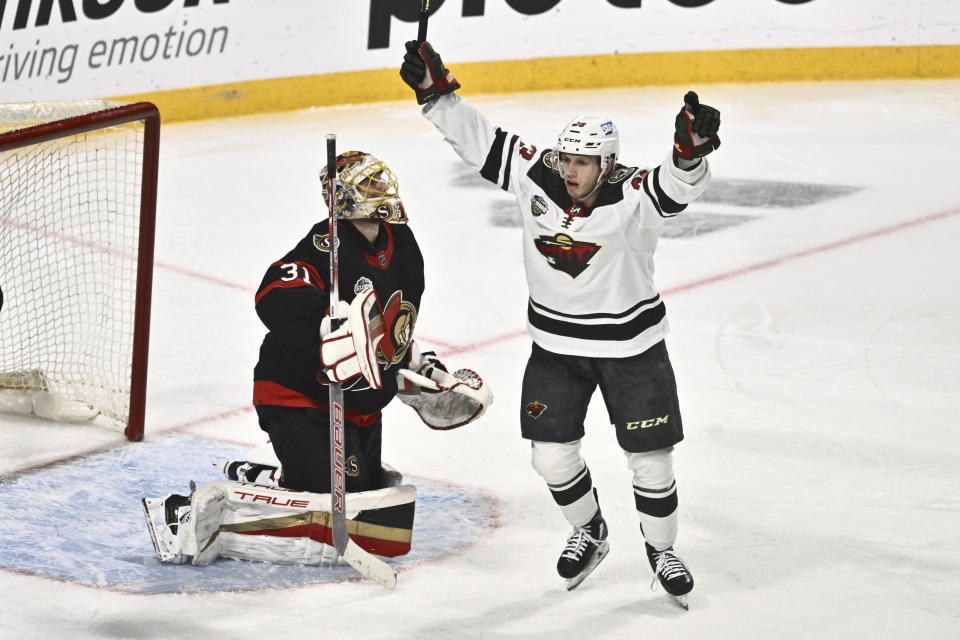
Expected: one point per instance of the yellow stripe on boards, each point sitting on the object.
(551, 74)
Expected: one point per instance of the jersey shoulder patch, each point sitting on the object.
(550, 160)
(545, 175)
(620, 173)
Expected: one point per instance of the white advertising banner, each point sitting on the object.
(74, 49)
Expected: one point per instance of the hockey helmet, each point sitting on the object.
(366, 189)
(590, 136)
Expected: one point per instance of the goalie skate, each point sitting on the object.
(163, 523)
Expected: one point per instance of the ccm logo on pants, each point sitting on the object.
(646, 424)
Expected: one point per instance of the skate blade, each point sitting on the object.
(155, 515)
(681, 601)
(602, 550)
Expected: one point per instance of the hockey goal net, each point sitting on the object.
(78, 188)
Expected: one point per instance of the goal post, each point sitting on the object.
(78, 191)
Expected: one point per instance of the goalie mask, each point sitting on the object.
(590, 136)
(366, 189)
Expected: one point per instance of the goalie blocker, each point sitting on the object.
(350, 355)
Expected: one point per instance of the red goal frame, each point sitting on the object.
(85, 123)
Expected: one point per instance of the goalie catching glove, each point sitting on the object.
(348, 354)
(443, 400)
(423, 70)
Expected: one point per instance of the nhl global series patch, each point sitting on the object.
(563, 253)
(538, 206)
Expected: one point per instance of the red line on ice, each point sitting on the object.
(805, 253)
(449, 349)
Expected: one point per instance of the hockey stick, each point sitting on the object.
(357, 557)
(424, 15)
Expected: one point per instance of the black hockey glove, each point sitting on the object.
(423, 70)
(697, 126)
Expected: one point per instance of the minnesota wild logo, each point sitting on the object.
(566, 254)
(535, 409)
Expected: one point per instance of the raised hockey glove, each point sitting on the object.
(697, 126)
(443, 400)
(348, 354)
(423, 70)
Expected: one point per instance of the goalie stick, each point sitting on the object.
(357, 557)
(424, 15)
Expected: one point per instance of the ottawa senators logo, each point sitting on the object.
(399, 319)
(322, 242)
(352, 465)
(566, 254)
(535, 409)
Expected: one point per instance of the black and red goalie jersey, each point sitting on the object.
(294, 297)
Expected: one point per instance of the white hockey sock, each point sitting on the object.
(655, 495)
(568, 478)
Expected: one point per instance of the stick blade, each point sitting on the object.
(370, 566)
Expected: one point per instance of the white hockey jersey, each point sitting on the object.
(589, 273)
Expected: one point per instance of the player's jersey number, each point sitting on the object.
(295, 271)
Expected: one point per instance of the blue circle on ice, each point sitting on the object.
(81, 521)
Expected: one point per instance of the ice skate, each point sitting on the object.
(586, 547)
(163, 517)
(246, 471)
(672, 573)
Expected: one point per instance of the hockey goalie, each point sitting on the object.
(249, 516)
(276, 508)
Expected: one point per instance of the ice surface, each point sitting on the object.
(814, 300)
(83, 523)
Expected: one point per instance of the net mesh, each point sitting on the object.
(69, 231)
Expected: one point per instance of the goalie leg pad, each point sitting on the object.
(186, 529)
(269, 524)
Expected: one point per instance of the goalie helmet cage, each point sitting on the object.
(78, 191)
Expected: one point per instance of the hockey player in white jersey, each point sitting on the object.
(590, 228)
